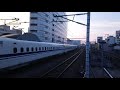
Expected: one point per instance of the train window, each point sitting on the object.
(45, 48)
(15, 50)
(36, 48)
(27, 49)
(14, 43)
(42, 48)
(39, 49)
(32, 49)
(22, 50)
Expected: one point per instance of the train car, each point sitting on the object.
(16, 52)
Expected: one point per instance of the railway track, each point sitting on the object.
(108, 73)
(36, 69)
(105, 70)
(61, 68)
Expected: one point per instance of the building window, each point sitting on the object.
(53, 25)
(52, 39)
(46, 21)
(22, 49)
(33, 17)
(46, 38)
(33, 24)
(52, 29)
(52, 34)
(46, 32)
(46, 26)
(33, 30)
(46, 15)
(14, 50)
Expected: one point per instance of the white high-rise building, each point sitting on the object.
(44, 26)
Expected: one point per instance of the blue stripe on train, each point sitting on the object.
(6, 56)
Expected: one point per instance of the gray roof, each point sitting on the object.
(28, 37)
(14, 36)
(25, 36)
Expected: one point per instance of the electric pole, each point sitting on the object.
(87, 64)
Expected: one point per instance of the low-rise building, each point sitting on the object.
(4, 29)
(110, 40)
(99, 39)
(74, 42)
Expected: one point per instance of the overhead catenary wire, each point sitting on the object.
(87, 64)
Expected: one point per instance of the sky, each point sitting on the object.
(101, 23)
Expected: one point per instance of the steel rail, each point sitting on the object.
(58, 65)
(107, 72)
(69, 65)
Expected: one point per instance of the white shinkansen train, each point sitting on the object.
(16, 52)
